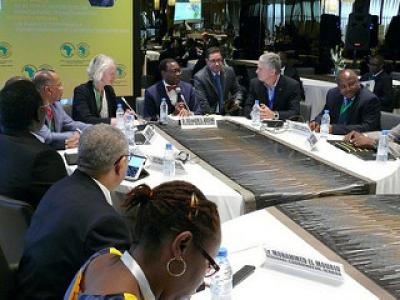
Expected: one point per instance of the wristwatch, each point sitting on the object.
(276, 115)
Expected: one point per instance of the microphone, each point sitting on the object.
(180, 96)
(130, 107)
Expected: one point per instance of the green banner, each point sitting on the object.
(64, 36)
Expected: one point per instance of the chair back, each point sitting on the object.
(7, 279)
(305, 111)
(389, 120)
(15, 218)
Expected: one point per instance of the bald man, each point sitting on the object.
(351, 107)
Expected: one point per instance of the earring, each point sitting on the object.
(178, 260)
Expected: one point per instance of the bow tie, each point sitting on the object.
(171, 87)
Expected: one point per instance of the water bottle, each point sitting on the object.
(120, 117)
(130, 129)
(255, 114)
(221, 282)
(163, 111)
(169, 161)
(325, 122)
(383, 147)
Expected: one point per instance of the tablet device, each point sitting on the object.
(71, 158)
(135, 167)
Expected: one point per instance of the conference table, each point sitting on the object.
(245, 238)
(386, 175)
(229, 201)
(229, 196)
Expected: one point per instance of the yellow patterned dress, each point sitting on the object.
(74, 289)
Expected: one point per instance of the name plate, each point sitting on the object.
(145, 136)
(194, 122)
(299, 127)
(300, 264)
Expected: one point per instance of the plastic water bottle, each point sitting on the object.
(383, 147)
(325, 122)
(130, 129)
(221, 282)
(255, 114)
(169, 161)
(120, 117)
(163, 111)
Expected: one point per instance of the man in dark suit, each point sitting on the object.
(351, 107)
(383, 82)
(178, 94)
(60, 131)
(28, 167)
(279, 95)
(75, 217)
(216, 86)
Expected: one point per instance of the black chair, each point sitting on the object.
(7, 279)
(389, 120)
(15, 217)
(305, 111)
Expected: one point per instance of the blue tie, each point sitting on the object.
(220, 92)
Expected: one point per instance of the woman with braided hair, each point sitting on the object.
(178, 233)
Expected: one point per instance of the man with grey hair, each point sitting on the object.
(279, 95)
(59, 130)
(75, 217)
(95, 101)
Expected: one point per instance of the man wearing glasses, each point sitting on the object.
(383, 87)
(59, 130)
(178, 94)
(216, 86)
(75, 218)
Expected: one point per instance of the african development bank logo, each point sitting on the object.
(121, 71)
(69, 50)
(28, 71)
(5, 50)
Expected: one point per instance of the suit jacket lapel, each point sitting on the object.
(261, 93)
(278, 93)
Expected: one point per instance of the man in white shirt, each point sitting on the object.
(178, 94)
(75, 218)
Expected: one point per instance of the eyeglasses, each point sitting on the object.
(175, 71)
(121, 157)
(215, 61)
(213, 267)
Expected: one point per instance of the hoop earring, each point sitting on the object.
(180, 260)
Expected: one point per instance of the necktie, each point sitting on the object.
(171, 87)
(50, 117)
(220, 92)
(344, 109)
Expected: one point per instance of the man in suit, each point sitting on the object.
(383, 88)
(279, 95)
(60, 131)
(178, 94)
(216, 86)
(351, 107)
(28, 167)
(370, 140)
(75, 218)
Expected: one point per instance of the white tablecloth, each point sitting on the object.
(315, 92)
(230, 203)
(385, 174)
(244, 238)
